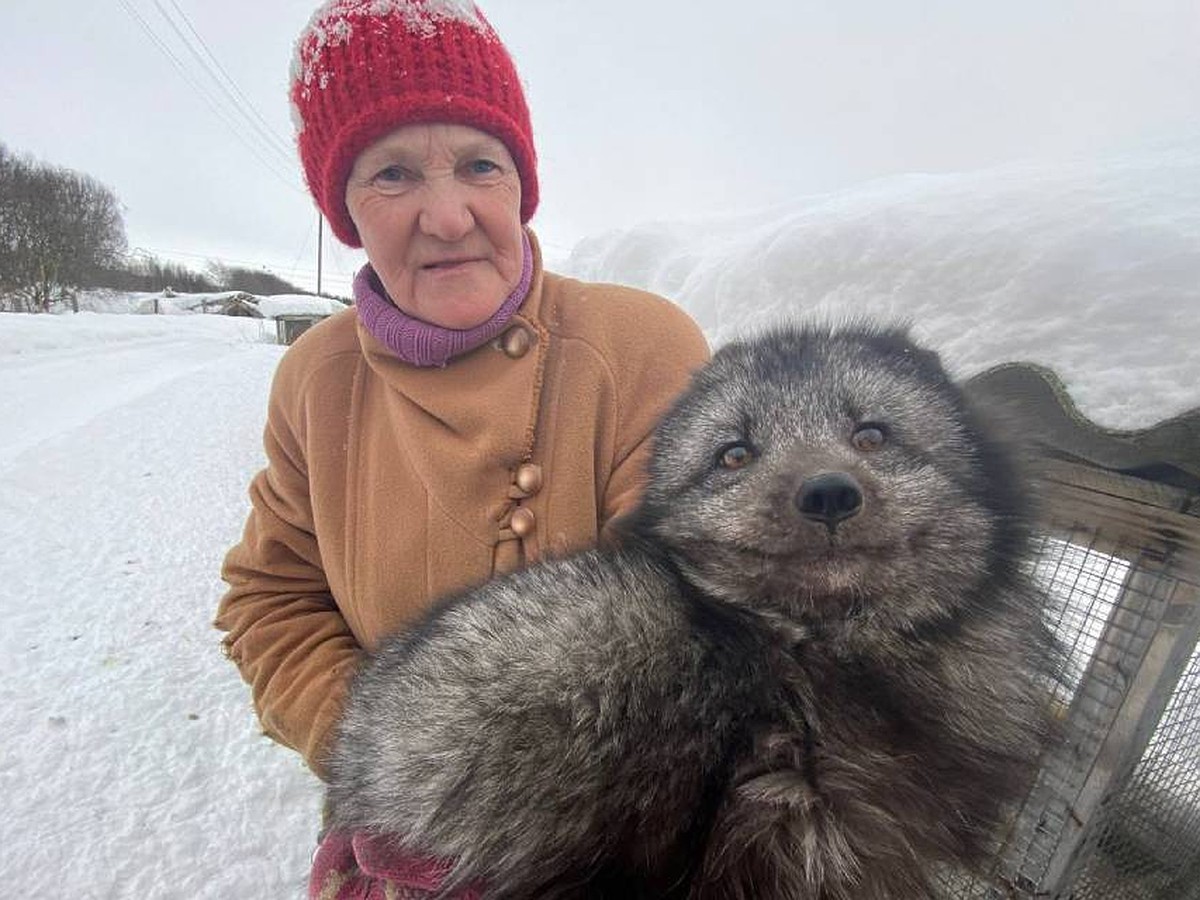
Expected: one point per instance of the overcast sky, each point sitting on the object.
(642, 109)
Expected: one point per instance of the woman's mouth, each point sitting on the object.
(446, 265)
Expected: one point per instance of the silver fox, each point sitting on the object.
(816, 667)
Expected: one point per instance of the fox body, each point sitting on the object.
(816, 666)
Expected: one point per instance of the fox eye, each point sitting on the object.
(735, 456)
(869, 437)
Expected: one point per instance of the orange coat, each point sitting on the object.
(388, 485)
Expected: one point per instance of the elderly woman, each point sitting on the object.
(473, 412)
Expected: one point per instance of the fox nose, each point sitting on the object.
(830, 498)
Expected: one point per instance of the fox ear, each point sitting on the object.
(929, 360)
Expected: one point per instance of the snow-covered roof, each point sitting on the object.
(297, 305)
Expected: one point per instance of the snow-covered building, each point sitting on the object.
(293, 314)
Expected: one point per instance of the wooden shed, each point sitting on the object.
(290, 327)
(294, 314)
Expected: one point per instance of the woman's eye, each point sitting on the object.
(482, 167)
(868, 438)
(735, 456)
(391, 176)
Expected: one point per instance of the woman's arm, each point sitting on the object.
(284, 630)
(662, 351)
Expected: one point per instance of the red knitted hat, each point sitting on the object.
(364, 68)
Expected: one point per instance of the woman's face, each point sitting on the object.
(438, 208)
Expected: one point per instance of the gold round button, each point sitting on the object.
(516, 342)
(529, 478)
(523, 522)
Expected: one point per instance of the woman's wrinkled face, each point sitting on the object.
(438, 208)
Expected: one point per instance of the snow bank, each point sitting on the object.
(22, 333)
(1093, 270)
(105, 300)
(147, 302)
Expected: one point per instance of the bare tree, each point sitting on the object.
(61, 230)
(141, 271)
(56, 227)
(252, 281)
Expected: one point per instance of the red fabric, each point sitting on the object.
(362, 867)
(363, 69)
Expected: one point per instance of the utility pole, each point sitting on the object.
(320, 231)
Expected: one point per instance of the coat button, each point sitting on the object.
(529, 478)
(523, 522)
(516, 342)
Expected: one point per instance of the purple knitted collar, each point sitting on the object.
(420, 343)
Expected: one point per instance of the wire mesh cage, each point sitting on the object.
(1147, 844)
(1115, 814)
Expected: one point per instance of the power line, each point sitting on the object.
(210, 257)
(217, 74)
(231, 106)
(286, 145)
(341, 273)
(204, 94)
(221, 112)
(303, 247)
(205, 257)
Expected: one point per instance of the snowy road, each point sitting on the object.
(131, 764)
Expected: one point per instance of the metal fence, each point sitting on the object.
(1115, 814)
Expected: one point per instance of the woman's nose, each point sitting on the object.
(445, 210)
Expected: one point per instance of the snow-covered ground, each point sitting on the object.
(131, 764)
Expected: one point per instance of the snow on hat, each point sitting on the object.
(363, 68)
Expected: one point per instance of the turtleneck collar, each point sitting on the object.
(421, 343)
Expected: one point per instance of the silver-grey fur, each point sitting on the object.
(816, 668)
